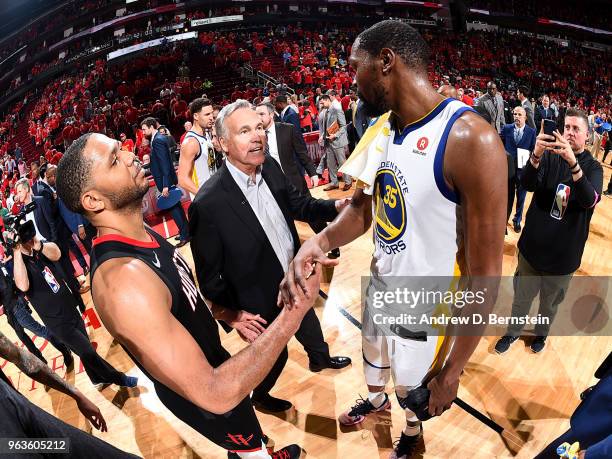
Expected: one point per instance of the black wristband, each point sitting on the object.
(575, 164)
(578, 171)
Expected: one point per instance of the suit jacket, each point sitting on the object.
(45, 219)
(236, 265)
(292, 149)
(495, 109)
(71, 219)
(290, 116)
(333, 115)
(162, 167)
(544, 114)
(526, 104)
(527, 140)
(360, 121)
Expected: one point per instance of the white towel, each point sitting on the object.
(369, 153)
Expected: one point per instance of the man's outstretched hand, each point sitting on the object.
(304, 300)
(297, 278)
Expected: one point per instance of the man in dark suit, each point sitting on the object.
(48, 228)
(544, 113)
(515, 136)
(591, 421)
(286, 113)
(244, 236)
(164, 174)
(285, 146)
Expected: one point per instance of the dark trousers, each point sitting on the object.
(22, 419)
(310, 336)
(528, 282)
(76, 250)
(514, 187)
(73, 333)
(19, 317)
(68, 269)
(179, 217)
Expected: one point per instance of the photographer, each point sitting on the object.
(19, 316)
(566, 181)
(38, 276)
(48, 226)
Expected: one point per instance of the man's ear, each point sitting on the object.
(223, 144)
(387, 56)
(92, 201)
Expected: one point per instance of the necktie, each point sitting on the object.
(517, 136)
(267, 149)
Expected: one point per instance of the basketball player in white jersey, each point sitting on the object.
(434, 184)
(197, 159)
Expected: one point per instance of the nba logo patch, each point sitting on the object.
(50, 278)
(560, 203)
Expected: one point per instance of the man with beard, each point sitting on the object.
(414, 166)
(197, 161)
(136, 274)
(164, 174)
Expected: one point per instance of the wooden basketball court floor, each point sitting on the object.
(532, 395)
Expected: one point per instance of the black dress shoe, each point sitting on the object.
(271, 404)
(517, 227)
(334, 363)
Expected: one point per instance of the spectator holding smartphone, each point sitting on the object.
(567, 182)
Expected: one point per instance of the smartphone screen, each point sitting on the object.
(549, 127)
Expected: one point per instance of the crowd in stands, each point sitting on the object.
(592, 14)
(113, 98)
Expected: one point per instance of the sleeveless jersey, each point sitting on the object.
(236, 430)
(188, 307)
(414, 212)
(204, 164)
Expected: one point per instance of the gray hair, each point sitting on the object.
(268, 105)
(226, 112)
(23, 182)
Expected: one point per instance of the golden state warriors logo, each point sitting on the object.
(390, 209)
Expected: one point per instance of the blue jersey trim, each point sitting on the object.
(398, 138)
(439, 158)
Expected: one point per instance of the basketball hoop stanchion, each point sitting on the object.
(418, 400)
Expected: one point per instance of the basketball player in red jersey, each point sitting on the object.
(146, 296)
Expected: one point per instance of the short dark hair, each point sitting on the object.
(401, 38)
(198, 104)
(324, 97)
(524, 90)
(73, 174)
(579, 114)
(281, 99)
(149, 122)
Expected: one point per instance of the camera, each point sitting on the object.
(22, 229)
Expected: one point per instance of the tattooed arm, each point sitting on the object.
(40, 372)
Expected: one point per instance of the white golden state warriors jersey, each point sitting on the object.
(204, 164)
(414, 211)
